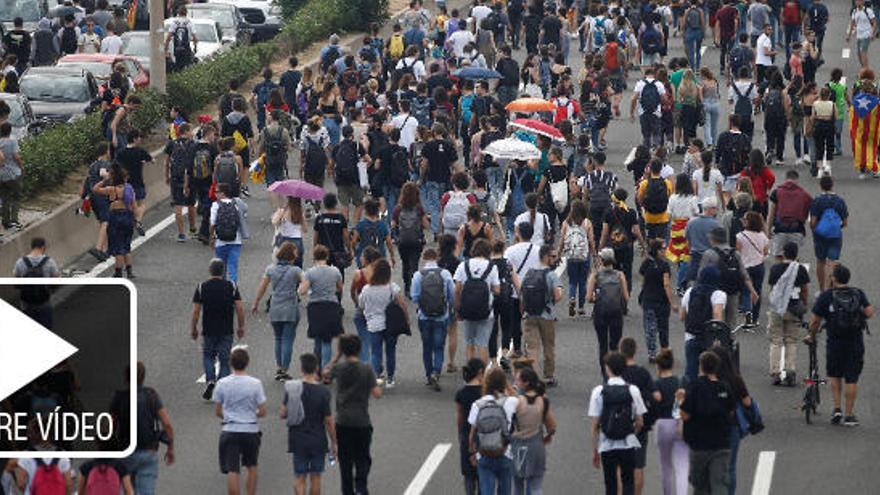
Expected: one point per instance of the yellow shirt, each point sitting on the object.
(654, 217)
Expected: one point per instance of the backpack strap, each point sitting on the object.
(526, 258)
(27, 262)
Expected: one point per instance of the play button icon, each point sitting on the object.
(28, 349)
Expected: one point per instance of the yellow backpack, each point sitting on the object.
(395, 46)
(240, 142)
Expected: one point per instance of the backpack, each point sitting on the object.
(409, 227)
(181, 40)
(34, 294)
(729, 266)
(48, 479)
(575, 246)
(399, 173)
(395, 47)
(773, 108)
(740, 57)
(316, 158)
(612, 55)
(296, 413)
(564, 109)
(276, 151)
(396, 321)
(649, 99)
(559, 194)
(432, 300)
(651, 41)
(599, 33)
(616, 420)
(455, 212)
(505, 296)
(609, 301)
(179, 158)
(497, 25)
(693, 20)
(329, 57)
(240, 141)
(475, 295)
(467, 103)
(346, 162)
(69, 43)
(535, 293)
(202, 164)
(421, 110)
(699, 311)
(103, 480)
(743, 106)
(492, 428)
(351, 85)
(656, 196)
(302, 103)
(399, 73)
(369, 235)
(619, 236)
(846, 310)
(227, 169)
(829, 225)
(600, 192)
(228, 222)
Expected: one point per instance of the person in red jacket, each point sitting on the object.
(762, 179)
(789, 210)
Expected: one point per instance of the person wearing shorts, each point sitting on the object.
(844, 345)
(240, 401)
(539, 330)
(827, 248)
(477, 332)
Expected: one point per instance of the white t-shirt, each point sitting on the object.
(862, 19)
(480, 12)
(718, 297)
(509, 407)
(667, 171)
(638, 91)
(111, 45)
(683, 206)
(89, 42)
(595, 411)
(516, 254)
(764, 44)
(459, 40)
(477, 266)
(409, 128)
(417, 65)
(707, 189)
(242, 211)
(30, 467)
(541, 224)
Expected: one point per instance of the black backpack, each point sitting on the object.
(228, 223)
(181, 158)
(773, 107)
(396, 322)
(398, 174)
(505, 277)
(276, 151)
(535, 293)
(651, 40)
(616, 419)
(316, 158)
(600, 191)
(346, 162)
(370, 235)
(69, 42)
(734, 155)
(34, 294)
(649, 99)
(699, 311)
(846, 311)
(740, 57)
(432, 300)
(729, 266)
(181, 40)
(656, 196)
(475, 295)
(743, 105)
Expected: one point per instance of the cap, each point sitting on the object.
(334, 39)
(607, 254)
(710, 202)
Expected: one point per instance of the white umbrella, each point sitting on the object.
(512, 149)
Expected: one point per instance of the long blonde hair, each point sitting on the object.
(688, 85)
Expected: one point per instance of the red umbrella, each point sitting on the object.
(297, 189)
(538, 127)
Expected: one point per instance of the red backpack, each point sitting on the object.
(103, 480)
(611, 55)
(791, 14)
(48, 479)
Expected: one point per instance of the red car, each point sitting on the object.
(101, 66)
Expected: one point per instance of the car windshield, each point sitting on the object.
(100, 70)
(222, 16)
(28, 10)
(137, 46)
(206, 33)
(55, 88)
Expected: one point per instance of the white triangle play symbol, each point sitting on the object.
(27, 349)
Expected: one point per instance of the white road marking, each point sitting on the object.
(764, 473)
(152, 232)
(435, 458)
(845, 53)
(703, 50)
(202, 378)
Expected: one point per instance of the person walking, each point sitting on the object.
(11, 182)
(790, 283)
(674, 461)
(647, 95)
(693, 25)
(656, 298)
(828, 217)
(683, 206)
(533, 430)
(433, 293)
(409, 221)
(491, 419)
(823, 118)
(228, 229)
(735, 280)
(729, 374)
(702, 303)
(373, 301)
(541, 289)
(753, 246)
(290, 225)
(355, 384)
(323, 283)
(653, 196)
(789, 211)
(710, 95)
(475, 282)
(607, 288)
(36, 299)
(120, 227)
(240, 403)
(284, 313)
(331, 231)
(578, 247)
(472, 373)
(863, 24)
(697, 234)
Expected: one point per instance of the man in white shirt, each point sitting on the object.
(112, 43)
(764, 52)
(89, 41)
(461, 39)
(407, 124)
(616, 453)
(480, 12)
(476, 329)
(707, 286)
(864, 24)
(648, 92)
(411, 60)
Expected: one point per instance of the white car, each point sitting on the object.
(271, 11)
(210, 38)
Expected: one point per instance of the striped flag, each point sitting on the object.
(864, 131)
(132, 13)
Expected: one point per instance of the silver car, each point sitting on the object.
(21, 116)
(59, 94)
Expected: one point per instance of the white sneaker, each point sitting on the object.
(390, 383)
(862, 176)
(877, 175)
(826, 170)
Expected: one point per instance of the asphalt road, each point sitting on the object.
(411, 420)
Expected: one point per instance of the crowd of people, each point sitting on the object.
(484, 243)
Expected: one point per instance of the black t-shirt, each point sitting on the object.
(552, 27)
(116, 464)
(217, 297)
(440, 154)
(652, 270)
(509, 69)
(386, 157)
(329, 227)
(667, 386)
(641, 378)
(150, 403)
(437, 81)
(617, 216)
(354, 384)
(465, 397)
(802, 278)
(309, 438)
(188, 158)
(132, 160)
(532, 24)
(710, 406)
(823, 309)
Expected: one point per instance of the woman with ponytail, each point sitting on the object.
(533, 429)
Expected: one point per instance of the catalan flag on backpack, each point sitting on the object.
(864, 131)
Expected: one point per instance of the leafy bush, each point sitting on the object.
(319, 19)
(289, 7)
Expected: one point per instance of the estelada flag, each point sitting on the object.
(864, 131)
(132, 12)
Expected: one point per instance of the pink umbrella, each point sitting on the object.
(297, 189)
(537, 127)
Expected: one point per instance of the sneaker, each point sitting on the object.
(390, 383)
(862, 176)
(876, 175)
(181, 238)
(836, 416)
(652, 359)
(436, 383)
(451, 368)
(505, 363)
(203, 239)
(581, 312)
(139, 226)
(285, 376)
(571, 308)
(551, 382)
(129, 274)
(208, 394)
(97, 254)
(851, 421)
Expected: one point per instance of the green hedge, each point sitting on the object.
(318, 19)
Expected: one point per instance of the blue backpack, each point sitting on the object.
(599, 33)
(651, 40)
(830, 224)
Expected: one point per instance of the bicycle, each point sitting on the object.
(811, 394)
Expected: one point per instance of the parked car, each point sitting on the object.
(30, 12)
(22, 118)
(232, 24)
(101, 66)
(59, 93)
(262, 15)
(210, 36)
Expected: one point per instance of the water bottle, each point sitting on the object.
(331, 459)
(676, 409)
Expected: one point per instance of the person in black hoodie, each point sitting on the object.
(237, 120)
(509, 69)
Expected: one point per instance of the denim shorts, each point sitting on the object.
(862, 45)
(827, 249)
(308, 464)
(476, 332)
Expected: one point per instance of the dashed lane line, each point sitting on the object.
(764, 473)
(435, 458)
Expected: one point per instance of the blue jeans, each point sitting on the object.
(735, 439)
(710, 130)
(433, 338)
(496, 181)
(693, 41)
(577, 280)
(681, 277)
(285, 332)
(838, 129)
(377, 339)
(324, 350)
(229, 253)
(360, 324)
(692, 350)
(756, 275)
(216, 347)
(495, 472)
(390, 193)
(656, 320)
(143, 467)
(694, 266)
(332, 130)
(432, 192)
